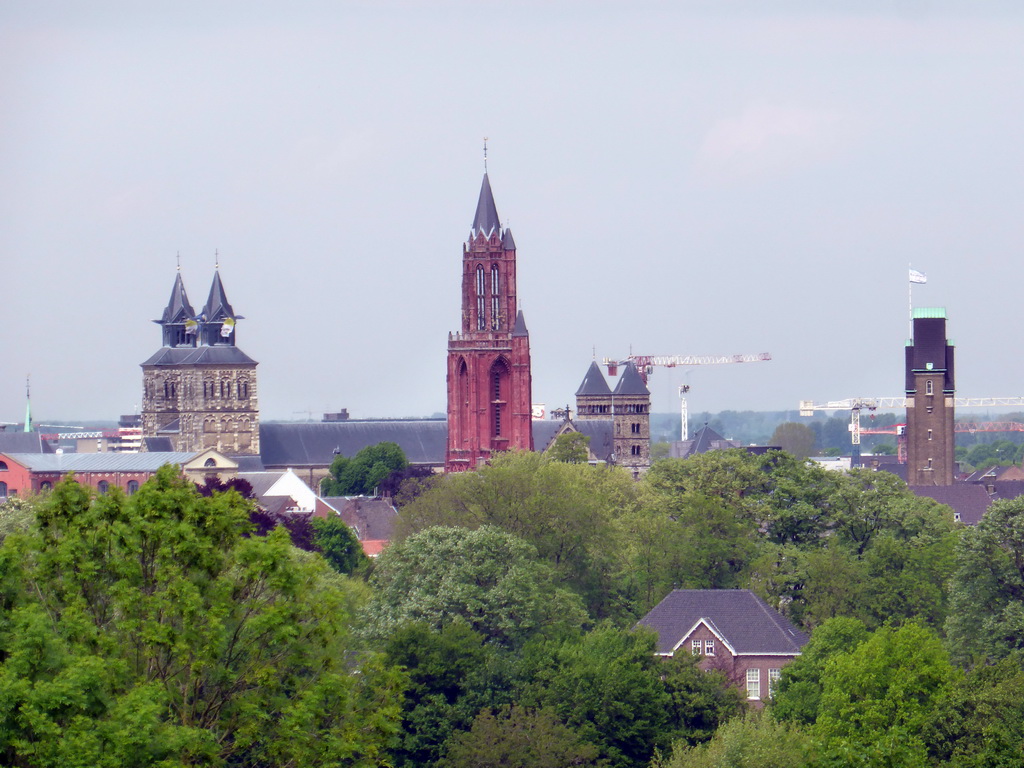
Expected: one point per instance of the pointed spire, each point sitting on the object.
(486, 220)
(507, 242)
(178, 309)
(594, 383)
(217, 306)
(520, 327)
(631, 382)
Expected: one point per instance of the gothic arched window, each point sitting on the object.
(481, 303)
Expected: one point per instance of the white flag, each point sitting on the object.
(917, 277)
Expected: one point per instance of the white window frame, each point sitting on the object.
(695, 646)
(754, 683)
(773, 681)
(709, 647)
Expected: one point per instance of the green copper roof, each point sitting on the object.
(932, 313)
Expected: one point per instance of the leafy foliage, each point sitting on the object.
(364, 472)
(986, 617)
(753, 740)
(570, 447)
(148, 630)
(337, 542)
(487, 578)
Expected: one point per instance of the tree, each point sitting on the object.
(794, 438)
(754, 740)
(486, 578)
(361, 474)
(569, 512)
(337, 542)
(149, 630)
(517, 737)
(986, 614)
(877, 698)
(571, 448)
(16, 515)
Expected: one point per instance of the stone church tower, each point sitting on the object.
(931, 448)
(631, 404)
(199, 389)
(489, 383)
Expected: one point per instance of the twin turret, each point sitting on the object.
(213, 325)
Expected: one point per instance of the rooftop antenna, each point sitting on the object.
(485, 154)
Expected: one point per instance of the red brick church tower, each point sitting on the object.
(489, 386)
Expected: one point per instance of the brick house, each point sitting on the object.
(733, 629)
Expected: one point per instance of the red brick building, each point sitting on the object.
(733, 629)
(489, 382)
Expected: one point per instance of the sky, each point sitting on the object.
(682, 178)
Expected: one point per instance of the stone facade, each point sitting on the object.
(199, 389)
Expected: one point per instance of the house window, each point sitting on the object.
(133, 487)
(773, 680)
(695, 647)
(102, 486)
(753, 683)
(709, 647)
(3, 466)
(3, 490)
(45, 485)
(928, 387)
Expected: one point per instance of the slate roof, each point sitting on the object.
(600, 432)
(248, 463)
(520, 326)
(218, 354)
(704, 439)
(969, 501)
(1007, 489)
(157, 444)
(372, 519)
(261, 482)
(424, 441)
(507, 242)
(594, 382)
(99, 462)
(486, 219)
(178, 309)
(631, 382)
(217, 305)
(743, 620)
(23, 442)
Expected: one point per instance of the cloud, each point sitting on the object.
(767, 139)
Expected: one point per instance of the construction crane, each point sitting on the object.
(645, 365)
(857, 404)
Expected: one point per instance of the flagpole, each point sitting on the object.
(910, 303)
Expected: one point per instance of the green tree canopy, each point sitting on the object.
(338, 544)
(794, 438)
(150, 631)
(487, 578)
(362, 473)
(570, 447)
(986, 616)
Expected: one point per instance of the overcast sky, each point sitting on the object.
(681, 178)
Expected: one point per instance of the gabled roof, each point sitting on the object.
(486, 221)
(600, 432)
(424, 441)
(217, 305)
(372, 519)
(742, 619)
(594, 382)
(220, 354)
(631, 382)
(969, 501)
(23, 442)
(704, 439)
(178, 309)
(520, 326)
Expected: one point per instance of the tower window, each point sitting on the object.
(928, 387)
(481, 306)
(495, 314)
(497, 386)
(635, 450)
(495, 280)
(929, 434)
(634, 428)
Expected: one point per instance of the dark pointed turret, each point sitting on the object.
(178, 309)
(486, 221)
(594, 383)
(217, 306)
(631, 382)
(507, 242)
(520, 326)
